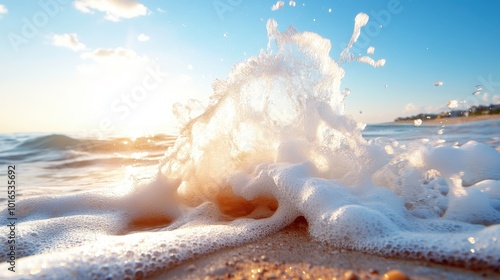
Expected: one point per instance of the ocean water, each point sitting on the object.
(273, 144)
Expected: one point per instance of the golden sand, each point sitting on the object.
(291, 254)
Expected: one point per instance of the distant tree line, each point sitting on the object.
(472, 111)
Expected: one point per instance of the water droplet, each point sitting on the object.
(395, 275)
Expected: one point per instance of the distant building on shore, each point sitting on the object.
(492, 109)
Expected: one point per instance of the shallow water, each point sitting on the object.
(272, 145)
(69, 163)
(63, 164)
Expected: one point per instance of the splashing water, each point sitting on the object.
(274, 144)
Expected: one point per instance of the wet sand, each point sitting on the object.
(291, 254)
(456, 120)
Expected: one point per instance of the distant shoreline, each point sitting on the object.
(453, 120)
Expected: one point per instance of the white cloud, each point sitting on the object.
(103, 54)
(68, 41)
(495, 99)
(143, 37)
(114, 9)
(489, 98)
(485, 97)
(370, 50)
(413, 109)
(438, 83)
(113, 62)
(3, 10)
(292, 3)
(161, 10)
(278, 5)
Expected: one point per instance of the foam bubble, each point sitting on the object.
(371, 61)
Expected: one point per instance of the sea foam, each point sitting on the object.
(274, 144)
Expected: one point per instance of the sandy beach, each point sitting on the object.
(456, 120)
(291, 254)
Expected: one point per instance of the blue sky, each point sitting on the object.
(90, 65)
